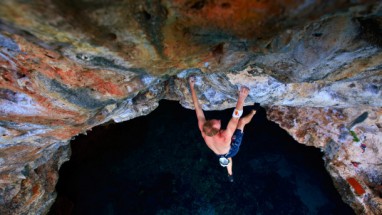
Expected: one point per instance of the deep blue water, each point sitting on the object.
(159, 164)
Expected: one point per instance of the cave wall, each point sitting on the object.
(353, 161)
(67, 66)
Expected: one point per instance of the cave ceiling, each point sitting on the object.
(69, 65)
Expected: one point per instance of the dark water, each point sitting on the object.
(159, 164)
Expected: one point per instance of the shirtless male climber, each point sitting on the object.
(224, 143)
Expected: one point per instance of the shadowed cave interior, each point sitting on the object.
(159, 164)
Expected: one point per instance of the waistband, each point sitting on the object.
(222, 155)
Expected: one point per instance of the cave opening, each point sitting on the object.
(159, 164)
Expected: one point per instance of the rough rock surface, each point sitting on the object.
(351, 159)
(67, 66)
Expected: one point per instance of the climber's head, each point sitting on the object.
(212, 127)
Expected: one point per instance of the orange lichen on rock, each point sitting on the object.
(197, 28)
(35, 189)
(36, 193)
(239, 17)
(356, 186)
(92, 79)
(103, 85)
(71, 75)
(64, 133)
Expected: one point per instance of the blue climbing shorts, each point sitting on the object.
(237, 137)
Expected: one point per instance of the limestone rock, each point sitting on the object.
(67, 66)
(348, 156)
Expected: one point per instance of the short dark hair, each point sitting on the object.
(209, 130)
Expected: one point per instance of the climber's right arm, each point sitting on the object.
(199, 111)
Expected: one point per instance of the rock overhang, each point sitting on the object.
(67, 66)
